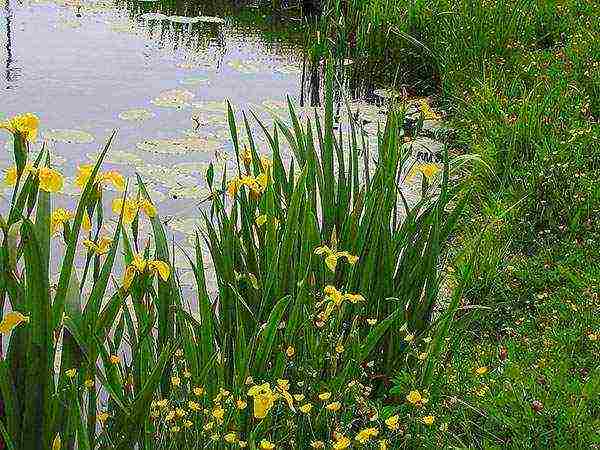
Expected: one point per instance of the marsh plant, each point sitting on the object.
(325, 274)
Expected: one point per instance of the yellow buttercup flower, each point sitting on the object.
(334, 407)
(364, 435)
(341, 443)
(11, 320)
(89, 383)
(175, 381)
(414, 397)
(26, 125)
(266, 445)
(306, 408)
(71, 373)
(427, 112)
(317, 444)
(100, 248)
(325, 396)
(298, 397)
(115, 359)
(290, 352)
(393, 422)
(50, 180)
(383, 444)
(240, 404)
(428, 420)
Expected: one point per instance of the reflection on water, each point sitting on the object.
(153, 71)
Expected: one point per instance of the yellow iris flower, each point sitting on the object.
(264, 399)
(332, 257)
(266, 445)
(336, 299)
(256, 185)
(50, 179)
(26, 125)
(428, 170)
(10, 177)
(131, 207)
(141, 266)
(99, 248)
(84, 173)
(58, 218)
(12, 320)
(341, 443)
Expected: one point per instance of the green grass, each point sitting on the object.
(520, 83)
(134, 354)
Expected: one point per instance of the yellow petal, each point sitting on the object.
(128, 277)
(260, 220)
(331, 261)
(148, 208)
(86, 222)
(56, 443)
(116, 179)
(83, 175)
(10, 178)
(12, 320)
(324, 250)
(161, 267)
(232, 187)
(50, 179)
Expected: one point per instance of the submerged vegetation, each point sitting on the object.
(356, 297)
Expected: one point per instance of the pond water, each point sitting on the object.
(157, 73)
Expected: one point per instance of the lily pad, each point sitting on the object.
(188, 193)
(195, 81)
(387, 94)
(246, 67)
(211, 106)
(138, 114)
(118, 157)
(154, 16)
(288, 69)
(182, 19)
(68, 136)
(166, 176)
(211, 19)
(178, 146)
(185, 225)
(174, 98)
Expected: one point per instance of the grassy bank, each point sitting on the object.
(520, 82)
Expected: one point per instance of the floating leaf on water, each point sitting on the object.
(185, 225)
(68, 136)
(124, 27)
(190, 168)
(288, 69)
(182, 19)
(245, 67)
(154, 16)
(386, 93)
(210, 19)
(166, 176)
(118, 157)
(195, 81)
(211, 106)
(174, 98)
(137, 114)
(178, 146)
(188, 193)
